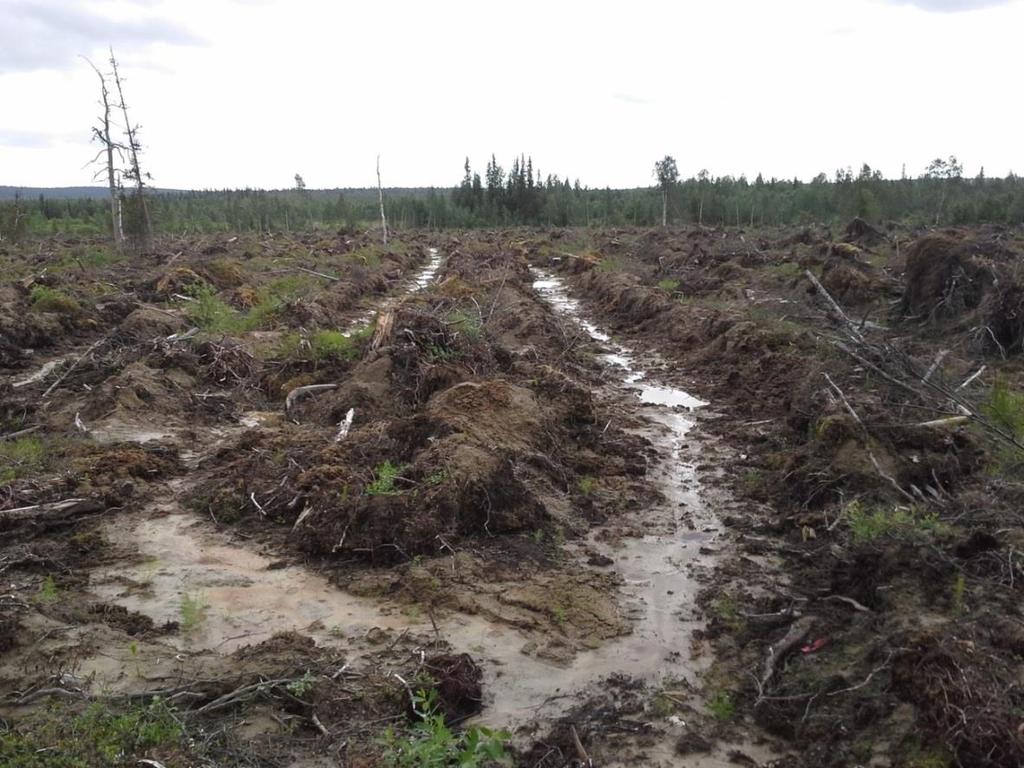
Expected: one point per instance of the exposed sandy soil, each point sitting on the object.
(593, 488)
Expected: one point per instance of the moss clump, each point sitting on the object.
(46, 299)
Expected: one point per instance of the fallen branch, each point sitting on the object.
(866, 680)
(74, 365)
(39, 375)
(849, 601)
(19, 433)
(244, 692)
(778, 652)
(950, 421)
(934, 366)
(581, 753)
(318, 274)
(309, 389)
(972, 377)
(850, 325)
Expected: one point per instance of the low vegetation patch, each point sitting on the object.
(384, 477)
(332, 345)
(22, 457)
(99, 736)
(45, 299)
(867, 523)
(431, 742)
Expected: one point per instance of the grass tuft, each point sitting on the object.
(193, 612)
(46, 299)
(21, 457)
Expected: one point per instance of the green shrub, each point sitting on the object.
(669, 285)
(586, 485)
(432, 744)
(46, 299)
(384, 477)
(211, 313)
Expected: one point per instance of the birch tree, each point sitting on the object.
(667, 174)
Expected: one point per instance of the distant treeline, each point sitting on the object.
(520, 196)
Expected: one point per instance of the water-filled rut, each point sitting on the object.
(245, 597)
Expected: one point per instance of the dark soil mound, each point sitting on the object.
(943, 281)
(860, 232)
(850, 281)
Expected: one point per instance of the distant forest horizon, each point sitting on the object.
(521, 196)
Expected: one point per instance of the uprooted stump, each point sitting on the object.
(850, 282)
(968, 695)
(943, 281)
(457, 680)
(859, 231)
(974, 283)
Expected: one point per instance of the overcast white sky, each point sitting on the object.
(234, 93)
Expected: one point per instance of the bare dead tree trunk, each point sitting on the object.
(102, 134)
(664, 207)
(133, 152)
(380, 196)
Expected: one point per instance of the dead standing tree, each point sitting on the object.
(380, 194)
(101, 133)
(142, 226)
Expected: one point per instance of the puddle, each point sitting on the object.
(618, 355)
(115, 431)
(421, 280)
(245, 598)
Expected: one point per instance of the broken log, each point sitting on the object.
(65, 508)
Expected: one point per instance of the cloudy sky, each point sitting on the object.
(235, 93)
